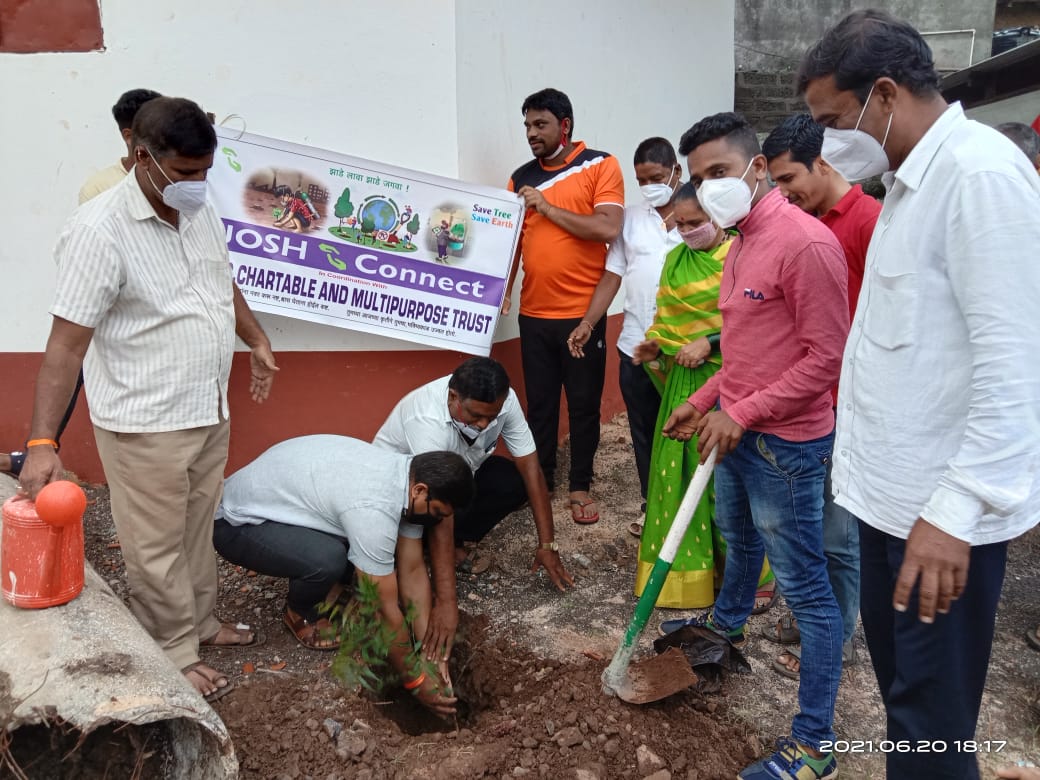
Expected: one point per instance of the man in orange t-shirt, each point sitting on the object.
(575, 199)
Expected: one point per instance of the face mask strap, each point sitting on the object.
(157, 166)
(863, 110)
(887, 128)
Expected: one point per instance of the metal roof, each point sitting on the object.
(1011, 73)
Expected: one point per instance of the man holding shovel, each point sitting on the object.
(768, 412)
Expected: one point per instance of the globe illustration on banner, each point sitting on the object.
(381, 212)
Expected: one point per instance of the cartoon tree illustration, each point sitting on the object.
(368, 226)
(344, 208)
(413, 226)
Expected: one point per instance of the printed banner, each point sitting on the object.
(324, 237)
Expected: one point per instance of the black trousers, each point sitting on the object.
(548, 368)
(312, 561)
(931, 676)
(642, 401)
(499, 490)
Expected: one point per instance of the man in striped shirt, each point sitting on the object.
(144, 280)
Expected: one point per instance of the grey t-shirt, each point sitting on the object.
(334, 484)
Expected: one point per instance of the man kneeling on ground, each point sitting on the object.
(316, 508)
(466, 413)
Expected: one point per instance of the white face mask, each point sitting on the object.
(469, 431)
(660, 193)
(728, 200)
(187, 197)
(855, 153)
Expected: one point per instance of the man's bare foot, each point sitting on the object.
(210, 683)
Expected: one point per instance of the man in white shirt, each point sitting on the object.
(466, 413)
(938, 437)
(144, 281)
(637, 257)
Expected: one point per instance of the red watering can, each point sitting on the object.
(41, 557)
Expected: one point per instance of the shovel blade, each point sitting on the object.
(656, 678)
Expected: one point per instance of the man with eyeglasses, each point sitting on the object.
(466, 413)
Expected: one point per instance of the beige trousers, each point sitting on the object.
(164, 489)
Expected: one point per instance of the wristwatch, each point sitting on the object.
(553, 546)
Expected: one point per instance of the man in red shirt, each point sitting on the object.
(769, 412)
(806, 180)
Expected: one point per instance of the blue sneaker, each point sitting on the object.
(736, 638)
(788, 763)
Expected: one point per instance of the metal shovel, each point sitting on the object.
(669, 672)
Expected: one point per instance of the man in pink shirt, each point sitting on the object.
(784, 305)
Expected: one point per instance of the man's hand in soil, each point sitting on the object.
(717, 429)
(550, 559)
(682, 422)
(42, 465)
(440, 631)
(432, 696)
(940, 562)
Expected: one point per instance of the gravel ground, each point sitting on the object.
(520, 627)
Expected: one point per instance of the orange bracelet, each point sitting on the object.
(37, 442)
(409, 686)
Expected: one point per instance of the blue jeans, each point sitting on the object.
(841, 546)
(769, 500)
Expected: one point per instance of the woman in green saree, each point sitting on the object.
(680, 354)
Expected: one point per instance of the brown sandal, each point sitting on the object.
(252, 637)
(310, 634)
(784, 632)
(221, 690)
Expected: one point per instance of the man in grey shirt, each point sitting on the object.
(315, 508)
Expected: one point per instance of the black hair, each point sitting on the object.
(129, 104)
(729, 125)
(656, 150)
(282, 190)
(1024, 137)
(446, 475)
(551, 100)
(169, 126)
(865, 46)
(480, 379)
(799, 135)
(687, 192)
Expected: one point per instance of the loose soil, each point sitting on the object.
(527, 668)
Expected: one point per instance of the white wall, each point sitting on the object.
(434, 85)
(631, 70)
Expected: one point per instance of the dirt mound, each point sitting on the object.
(519, 716)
